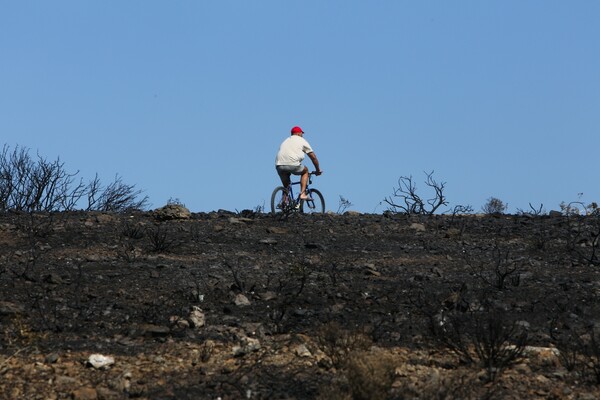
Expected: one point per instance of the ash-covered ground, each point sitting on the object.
(251, 306)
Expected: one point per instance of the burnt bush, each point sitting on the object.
(117, 196)
(36, 184)
(495, 268)
(487, 338)
(289, 291)
(583, 238)
(160, 238)
(406, 200)
(580, 353)
(370, 375)
(339, 343)
(494, 206)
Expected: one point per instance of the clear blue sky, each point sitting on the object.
(190, 99)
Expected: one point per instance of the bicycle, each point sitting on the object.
(283, 200)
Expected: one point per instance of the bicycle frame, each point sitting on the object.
(296, 200)
(285, 200)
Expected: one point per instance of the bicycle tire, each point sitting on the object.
(314, 206)
(276, 198)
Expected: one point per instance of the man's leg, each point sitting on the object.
(285, 181)
(303, 183)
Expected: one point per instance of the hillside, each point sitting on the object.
(245, 305)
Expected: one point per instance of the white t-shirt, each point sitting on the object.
(292, 151)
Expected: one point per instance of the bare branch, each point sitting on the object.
(412, 202)
(40, 185)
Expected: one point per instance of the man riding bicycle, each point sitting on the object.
(289, 160)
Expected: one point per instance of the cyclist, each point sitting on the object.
(289, 160)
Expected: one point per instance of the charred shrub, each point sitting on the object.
(499, 343)
(583, 239)
(128, 236)
(406, 200)
(580, 353)
(488, 339)
(494, 206)
(288, 290)
(533, 211)
(36, 228)
(570, 353)
(161, 240)
(542, 236)
(370, 375)
(39, 185)
(36, 225)
(338, 343)
(457, 221)
(127, 250)
(239, 274)
(496, 268)
(131, 230)
(343, 205)
(30, 184)
(117, 196)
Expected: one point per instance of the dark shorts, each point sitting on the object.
(284, 171)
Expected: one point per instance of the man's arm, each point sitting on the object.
(315, 161)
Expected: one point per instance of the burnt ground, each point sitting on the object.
(248, 306)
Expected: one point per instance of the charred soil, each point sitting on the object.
(251, 306)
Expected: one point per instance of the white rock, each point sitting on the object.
(418, 227)
(241, 300)
(247, 345)
(197, 317)
(302, 351)
(100, 361)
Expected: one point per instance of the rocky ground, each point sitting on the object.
(251, 306)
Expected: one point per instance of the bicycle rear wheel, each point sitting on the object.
(277, 204)
(314, 206)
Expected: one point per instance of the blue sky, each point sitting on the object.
(190, 100)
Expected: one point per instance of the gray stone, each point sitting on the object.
(276, 230)
(240, 220)
(352, 212)
(52, 358)
(99, 361)
(302, 351)
(247, 345)
(418, 227)
(241, 300)
(197, 317)
(172, 211)
(370, 269)
(54, 279)
(268, 295)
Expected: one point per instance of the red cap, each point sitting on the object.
(297, 129)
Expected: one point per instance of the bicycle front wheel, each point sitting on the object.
(277, 204)
(314, 206)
